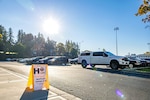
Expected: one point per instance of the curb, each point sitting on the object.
(63, 94)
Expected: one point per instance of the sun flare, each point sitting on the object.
(51, 26)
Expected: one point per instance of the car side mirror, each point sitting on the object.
(105, 55)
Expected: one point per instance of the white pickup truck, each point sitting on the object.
(102, 58)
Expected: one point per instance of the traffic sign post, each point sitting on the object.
(38, 78)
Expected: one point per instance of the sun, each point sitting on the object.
(51, 26)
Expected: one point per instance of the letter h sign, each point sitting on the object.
(36, 70)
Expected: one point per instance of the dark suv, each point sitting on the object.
(45, 60)
(33, 60)
(59, 60)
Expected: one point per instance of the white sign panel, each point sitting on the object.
(39, 72)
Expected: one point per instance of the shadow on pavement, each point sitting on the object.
(122, 72)
(35, 95)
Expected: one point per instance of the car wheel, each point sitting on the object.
(92, 65)
(131, 65)
(64, 64)
(84, 64)
(76, 63)
(114, 65)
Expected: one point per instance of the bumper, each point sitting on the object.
(124, 63)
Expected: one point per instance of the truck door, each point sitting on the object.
(106, 59)
(96, 58)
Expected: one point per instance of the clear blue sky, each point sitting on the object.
(88, 22)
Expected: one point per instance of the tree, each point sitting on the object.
(1, 39)
(72, 49)
(20, 36)
(19, 48)
(1, 35)
(4, 39)
(50, 47)
(10, 42)
(3, 42)
(74, 53)
(38, 45)
(28, 45)
(144, 9)
(27, 41)
(10, 36)
(60, 49)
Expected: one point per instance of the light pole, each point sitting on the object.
(116, 29)
(80, 46)
(149, 46)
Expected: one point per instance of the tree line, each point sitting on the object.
(29, 45)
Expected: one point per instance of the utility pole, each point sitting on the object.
(149, 46)
(80, 46)
(116, 29)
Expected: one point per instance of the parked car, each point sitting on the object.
(8, 59)
(23, 60)
(73, 61)
(147, 62)
(102, 58)
(34, 60)
(60, 60)
(136, 62)
(45, 60)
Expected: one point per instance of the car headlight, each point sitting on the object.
(125, 59)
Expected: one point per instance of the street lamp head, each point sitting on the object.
(116, 28)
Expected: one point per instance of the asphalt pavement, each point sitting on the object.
(13, 87)
(100, 83)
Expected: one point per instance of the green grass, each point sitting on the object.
(147, 70)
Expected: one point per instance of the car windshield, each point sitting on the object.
(46, 58)
(109, 54)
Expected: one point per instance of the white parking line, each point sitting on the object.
(51, 94)
(4, 74)
(13, 74)
(2, 82)
(57, 97)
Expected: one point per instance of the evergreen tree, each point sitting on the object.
(50, 47)
(60, 49)
(20, 36)
(38, 45)
(10, 36)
